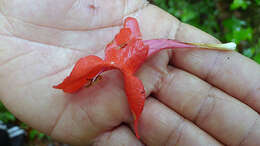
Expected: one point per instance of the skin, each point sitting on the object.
(194, 97)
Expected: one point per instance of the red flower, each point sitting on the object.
(127, 52)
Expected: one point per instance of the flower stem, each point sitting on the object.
(157, 45)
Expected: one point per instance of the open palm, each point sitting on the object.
(41, 40)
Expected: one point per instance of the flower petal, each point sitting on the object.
(129, 33)
(85, 69)
(134, 55)
(132, 24)
(123, 37)
(136, 97)
(129, 58)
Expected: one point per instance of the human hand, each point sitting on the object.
(218, 93)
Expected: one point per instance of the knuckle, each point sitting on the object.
(206, 108)
(175, 135)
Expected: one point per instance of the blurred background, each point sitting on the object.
(228, 20)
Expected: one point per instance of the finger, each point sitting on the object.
(229, 71)
(219, 114)
(121, 136)
(159, 125)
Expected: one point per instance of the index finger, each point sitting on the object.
(230, 71)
